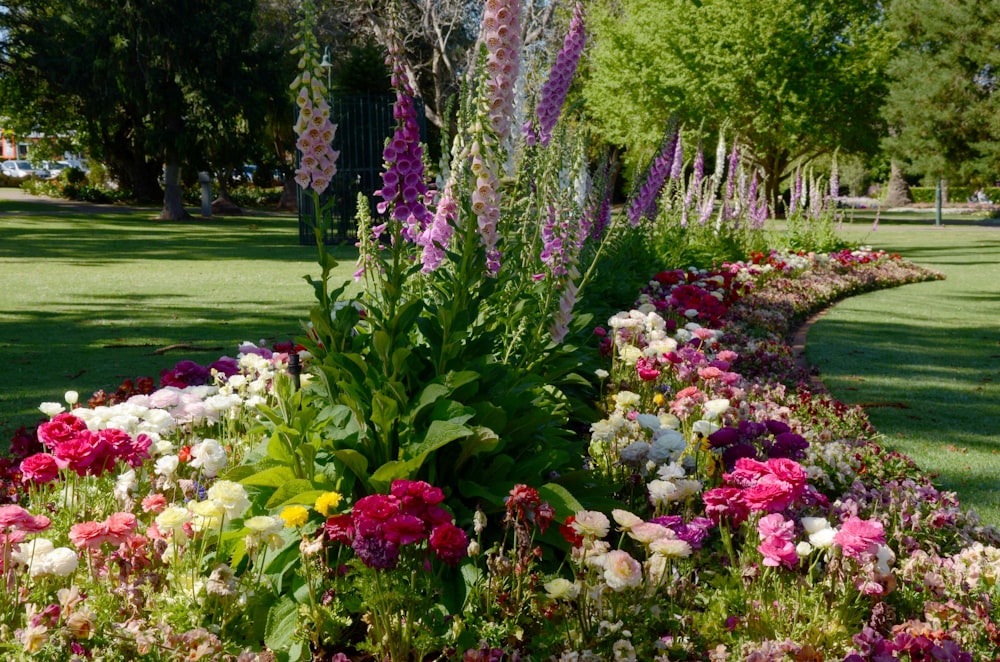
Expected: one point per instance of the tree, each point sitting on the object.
(943, 107)
(793, 80)
(149, 85)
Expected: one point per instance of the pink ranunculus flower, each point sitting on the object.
(858, 537)
(776, 526)
(15, 517)
(769, 495)
(41, 468)
(88, 535)
(778, 551)
(154, 503)
(119, 527)
(725, 502)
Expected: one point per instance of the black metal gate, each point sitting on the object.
(364, 122)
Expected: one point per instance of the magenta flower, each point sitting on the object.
(41, 468)
(436, 236)
(776, 526)
(725, 502)
(778, 551)
(17, 518)
(404, 529)
(62, 428)
(555, 88)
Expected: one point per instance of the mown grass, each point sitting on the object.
(87, 300)
(924, 359)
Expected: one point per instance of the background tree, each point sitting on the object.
(943, 106)
(794, 80)
(148, 85)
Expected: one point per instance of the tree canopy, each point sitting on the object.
(793, 80)
(144, 84)
(943, 108)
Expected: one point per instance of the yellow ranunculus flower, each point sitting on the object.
(294, 516)
(327, 502)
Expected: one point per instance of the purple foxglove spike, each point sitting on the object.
(563, 69)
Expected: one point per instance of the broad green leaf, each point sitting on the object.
(560, 498)
(273, 477)
(282, 619)
(288, 491)
(438, 434)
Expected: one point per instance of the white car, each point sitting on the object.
(21, 170)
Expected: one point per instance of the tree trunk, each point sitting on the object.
(289, 195)
(898, 194)
(173, 200)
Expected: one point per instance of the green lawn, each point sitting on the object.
(924, 359)
(88, 300)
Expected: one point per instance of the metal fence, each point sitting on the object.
(364, 122)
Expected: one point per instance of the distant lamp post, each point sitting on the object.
(327, 65)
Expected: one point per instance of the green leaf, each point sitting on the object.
(353, 460)
(559, 497)
(282, 619)
(483, 440)
(289, 491)
(273, 477)
(277, 447)
(438, 434)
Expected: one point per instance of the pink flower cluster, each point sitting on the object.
(502, 35)
(380, 524)
(555, 88)
(116, 529)
(770, 486)
(403, 188)
(15, 524)
(777, 536)
(859, 538)
(79, 449)
(315, 132)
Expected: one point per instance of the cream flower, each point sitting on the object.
(621, 571)
(562, 589)
(231, 496)
(591, 524)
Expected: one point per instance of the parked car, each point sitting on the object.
(22, 169)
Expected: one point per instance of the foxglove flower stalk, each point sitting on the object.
(644, 203)
(502, 35)
(435, 237)
(403, 187)
(796, 194)
(726, 211)
(555, 88)
(693, 195)
(834, 180)
(315, 134)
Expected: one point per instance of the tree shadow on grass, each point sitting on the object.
(99, 344)
(931, 390)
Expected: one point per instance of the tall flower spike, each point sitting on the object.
(313, 128)
(403, 186)
(693, 195)
(555, 88)
(643, 205)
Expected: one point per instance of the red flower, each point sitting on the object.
(569, 533)
(449, 543)
(404, 529)
(40, 468)
(340, 528)
(62, 428)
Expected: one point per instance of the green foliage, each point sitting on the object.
(791, 81)
(941, 105)
(958, 194)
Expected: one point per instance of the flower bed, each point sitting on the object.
(729, 516)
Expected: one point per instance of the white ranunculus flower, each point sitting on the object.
(822, 539)
(803, 549)
(671, 547)
(207, 515)
(672, 471)
(715, 408)
(625, 519)
(51, 409)
(125, 484)
(27, 553)
(630, 354)
(704, 427)
(591, 523)
(669, 421)
(71, 398)
(166, 465)
(601, 373)
(209, 456)
(621, 571)
(265, 524)
(62, 562)
(232, 496)
(814, 524)
(626, 400)
(886, 557)
(562, 589)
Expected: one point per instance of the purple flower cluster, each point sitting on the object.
(555, 88)
(758, 440)
(403, 187)
(380, 524)
(872, 646)
(435, 237)
(693, 532)
(644, 204)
